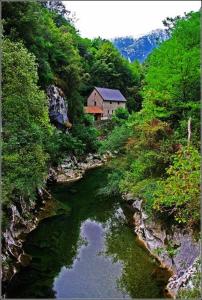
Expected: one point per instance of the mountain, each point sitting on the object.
(140, 48)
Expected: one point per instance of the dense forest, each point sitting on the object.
(163, 150)
(157, 137)
(41, 47)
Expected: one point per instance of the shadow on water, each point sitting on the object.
(88, 252)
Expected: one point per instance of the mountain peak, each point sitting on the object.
(139, 48)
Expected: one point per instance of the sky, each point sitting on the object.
(110, 19)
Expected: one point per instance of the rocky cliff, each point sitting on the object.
(175, 247)
(57, 107)
(25, 215)
(139, 48)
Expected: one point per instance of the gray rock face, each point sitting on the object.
(22, 221)
(57, 106)
(71, 169)
(175, 248)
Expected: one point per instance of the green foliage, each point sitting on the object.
(179, 192)
(26, 123)
(53, 45)
(62, 144)
(121, 114)
(112, 186)
(158, 251)
(116, 139)
(104, 67)
(171, 249)
(47, 39)
(168, 184)
(195, 291)
(172, 81)
(86, 134)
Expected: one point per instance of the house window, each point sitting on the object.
(95, 103)
(110, 102)
(108, 112)
(112, 111)
(118, 103)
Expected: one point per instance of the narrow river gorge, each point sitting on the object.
(88, 249)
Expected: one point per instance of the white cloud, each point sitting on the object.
(109, 19)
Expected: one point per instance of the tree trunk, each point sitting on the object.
(189, 131)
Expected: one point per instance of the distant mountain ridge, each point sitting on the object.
(140, 48)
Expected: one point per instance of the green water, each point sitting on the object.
(88, 250)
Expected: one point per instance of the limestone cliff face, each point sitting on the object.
(175, 247)
(58, 110)
(23, 217)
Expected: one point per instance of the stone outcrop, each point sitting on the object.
(71, 169)
(24, 216)
(174, 247)
(57, 107)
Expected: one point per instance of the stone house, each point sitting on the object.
(102, 102)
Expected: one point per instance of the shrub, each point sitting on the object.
(179, 193)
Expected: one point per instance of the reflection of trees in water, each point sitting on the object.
(56, 241)
(52, 245)
(138, 267)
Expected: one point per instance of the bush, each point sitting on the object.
(86, 134)
(120, 114)
(179, 193)
(116, 140)
(26, 123)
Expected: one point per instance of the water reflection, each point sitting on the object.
(139, 268)
(87, 252)
(92, 274)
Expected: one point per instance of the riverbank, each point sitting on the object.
(26, 215)
(88, 250)
(175, 247)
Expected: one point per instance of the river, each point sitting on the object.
(87, 250)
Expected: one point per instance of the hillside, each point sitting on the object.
(140, 48)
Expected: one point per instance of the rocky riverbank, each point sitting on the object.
(174, 247)
(25, 215)
(72, 169)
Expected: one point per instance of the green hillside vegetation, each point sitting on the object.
(41, 47)
(158, 162)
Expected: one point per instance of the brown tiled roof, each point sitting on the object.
(93, 110)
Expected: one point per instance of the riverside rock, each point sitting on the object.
(71, 169)
(57, 107)
(156, 237)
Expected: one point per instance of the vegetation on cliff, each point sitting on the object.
(159, 145)
(156, 137)
(158, 142)
(42, 47)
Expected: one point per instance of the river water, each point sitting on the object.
(87, 250)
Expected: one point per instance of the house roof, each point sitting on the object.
(93, 110)
(110, 94)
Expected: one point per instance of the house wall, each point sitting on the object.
(110, 107)
(95, 97)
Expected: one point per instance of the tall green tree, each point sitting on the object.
(172, 82)
(26, 126)
(53, 44)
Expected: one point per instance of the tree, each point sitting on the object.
(172, 81)
(25, 123)
(179, 193)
